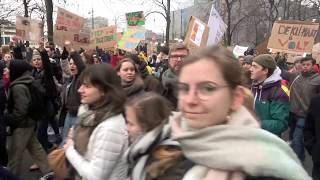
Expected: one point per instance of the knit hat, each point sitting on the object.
(18, 68)
(266, 61)
(36, 54)
(248, 59)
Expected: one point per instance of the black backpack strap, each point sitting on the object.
(273, 93)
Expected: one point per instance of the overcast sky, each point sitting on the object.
(116, 9)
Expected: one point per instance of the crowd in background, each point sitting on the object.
(168, 115)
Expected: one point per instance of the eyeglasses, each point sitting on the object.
(203, 90)
(177, 58)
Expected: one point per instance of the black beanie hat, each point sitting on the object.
(17, 68)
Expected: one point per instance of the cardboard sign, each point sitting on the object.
(239, 50)
(135, 18)
(216, 27)
(78, 39)
(296, 37)
(131, 38)
(197, 34)
(29, 29)
(68, 21)
(316, 52)
(105, 38)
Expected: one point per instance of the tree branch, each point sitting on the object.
(158, 12)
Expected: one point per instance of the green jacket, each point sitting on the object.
(18, 103)
(271, 104)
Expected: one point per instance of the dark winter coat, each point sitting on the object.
(169, 82)
(72, 101)
(18, 102)
(312, 130)
(303, 86)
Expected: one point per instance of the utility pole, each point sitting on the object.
(92, 18)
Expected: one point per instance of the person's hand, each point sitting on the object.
(68, 144)
(65, 53)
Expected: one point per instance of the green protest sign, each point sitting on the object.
(135, 18)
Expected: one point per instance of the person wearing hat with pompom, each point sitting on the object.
(270, 101)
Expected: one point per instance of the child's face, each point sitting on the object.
(133, 126)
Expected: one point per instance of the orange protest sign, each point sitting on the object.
(105, 38)
(29, 29)
(197, 34)
(68, 21)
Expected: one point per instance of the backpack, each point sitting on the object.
(38, 107)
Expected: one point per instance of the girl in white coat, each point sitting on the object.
(99, 139)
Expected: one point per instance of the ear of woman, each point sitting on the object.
(238, 98)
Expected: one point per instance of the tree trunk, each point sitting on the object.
(168, 19)
(25, 5)
(49, 9)
(229, 34)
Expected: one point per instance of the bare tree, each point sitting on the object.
(165, 13)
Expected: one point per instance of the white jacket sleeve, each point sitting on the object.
(106, 149)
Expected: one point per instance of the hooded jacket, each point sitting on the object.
(271, 104)
(302, 86)
(18, 102)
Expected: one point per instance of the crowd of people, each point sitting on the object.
(168, 115)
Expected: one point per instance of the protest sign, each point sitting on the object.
(216, 27)
(197, 34)
(68, 21)
(105, 38)
(135, 18)
(296, 37)
(316, 52)
(78, 39)
(131, 38)
(239, 51)
(29, 29)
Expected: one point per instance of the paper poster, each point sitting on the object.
(131, 38)
(217, 27)
(105, 38)
(197, 32)
(239, 50)
(29, 29)
(68, 21)
(78, 39)
(135, 18)
(296, 37)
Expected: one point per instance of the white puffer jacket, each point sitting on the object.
(103, 159)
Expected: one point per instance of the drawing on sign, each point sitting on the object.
(197, 32)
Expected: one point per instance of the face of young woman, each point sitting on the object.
(133, 126)
(205, 99)
(7, 58)
(89, 94)
(37, 63)
(73, 68)
(127, 72)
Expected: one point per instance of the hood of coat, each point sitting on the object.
(26, 78)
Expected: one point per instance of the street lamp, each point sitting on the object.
(92, 18)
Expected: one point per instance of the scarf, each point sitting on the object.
(235, 150)
(87, 123)
(133, 87)
(138, 153)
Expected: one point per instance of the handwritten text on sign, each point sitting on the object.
(68, 21)
(293, 37)
(104, 37)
